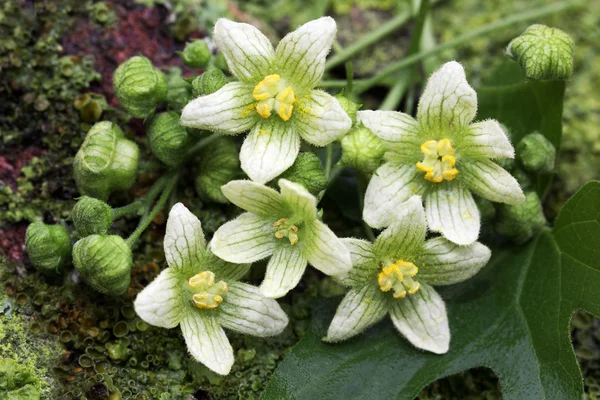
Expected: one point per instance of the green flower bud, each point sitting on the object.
(536, 153)
(349, 106)
(208, 83)
(105, 261)
(168, 139)
(48, 246)
(196, 54)
(307, 170)
(90, 106)
(522, 221)
(180, 91)
(139, 86)
(106, 161)
(544, 53)
(91, 216)
(522, 177)
(219, 164)
(362, 150)
(220, 62)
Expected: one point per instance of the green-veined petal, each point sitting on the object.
(364, 262)
(246, 239)
(255, 198)
(284, 271)
(325, 251)
(160, 304)
(298, 200)
(490, 181)
(184, 240)
(422, 319)
(320, 119)
(222, 269)
(487, 139)
(398, 131)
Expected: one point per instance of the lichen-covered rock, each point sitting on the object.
(17, 382)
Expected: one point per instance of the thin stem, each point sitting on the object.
(365, 84)
(349, 78)
(134, 208)
(395, 94)
(147, 219)
(328, 160)
(367, 40)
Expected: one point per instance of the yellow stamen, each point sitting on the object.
(267, 88)
(206, 293)
(438, 163)
(285, 111)
(398, 276)
(272, 93)
(263, 109)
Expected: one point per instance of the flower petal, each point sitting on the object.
(254, 197)
(489, 180)
(268, 150)
(487, 139)
(320, 119)
(301, 54)
(248, 52)
(359, 309)
(247, 311)
(228, 111)
(325, 251)
(447, 99)
(246, 239)
(364, 263)
(284, 271)
(159, 304)
(398, 131)
(298, 200)
(222, 269)
(422, 319)
(452, 211)
(206, 341)
(391, 185)
(184, 240)
(406, 234)
(445, 263)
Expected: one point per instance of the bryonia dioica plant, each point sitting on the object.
(444, 157)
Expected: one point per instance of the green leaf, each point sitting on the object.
(512, 317)
(524, 107)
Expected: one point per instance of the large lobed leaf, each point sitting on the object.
(513, 317)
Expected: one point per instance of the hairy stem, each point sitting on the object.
(141, 203)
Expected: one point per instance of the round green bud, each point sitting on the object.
(307, 170)
(168, 139)
(105, 261)
(106, 161)
(536, 153)
(180, 91)
(91, 216)
(139, 86)
(219, 163)
(544, 53)
(521, 222)
(362, 150)
(348, 106)
(220, 62)
(208, 83)
(48, 246)
(196, 54)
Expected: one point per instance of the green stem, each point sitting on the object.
(328, 160)
(147, 219)
(349, 78)
(143, 202)
(367, 40)
(365, 84)
(395, 94)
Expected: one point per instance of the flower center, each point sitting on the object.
(284, 228)
(206, 293)
(398, 276)
(438, 163)
(272, 93)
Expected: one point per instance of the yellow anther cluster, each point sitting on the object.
(206, 293)
(438, 163)
(283, 229)
(398, 276)
(272, 93)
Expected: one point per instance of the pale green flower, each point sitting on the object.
(284, 226)
(200, 293)
(274, 97)
(442, 156)
(394, 275)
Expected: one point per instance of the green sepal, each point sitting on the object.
(91, 216)
(348, 105)
(219, 163)
(106, 161)
(307, 170)
(522, 221)
(168, 139)
(48, 246)
(105, 261)
(208, 83)
(196, 54)
(139, 86)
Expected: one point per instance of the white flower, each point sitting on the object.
(200, 293)
(274, 97)
(394, 274)
(283, 226)
(441, 156)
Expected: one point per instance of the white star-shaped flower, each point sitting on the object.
(394, 276)
(201, 293)
(274, 96)
(441, 156)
